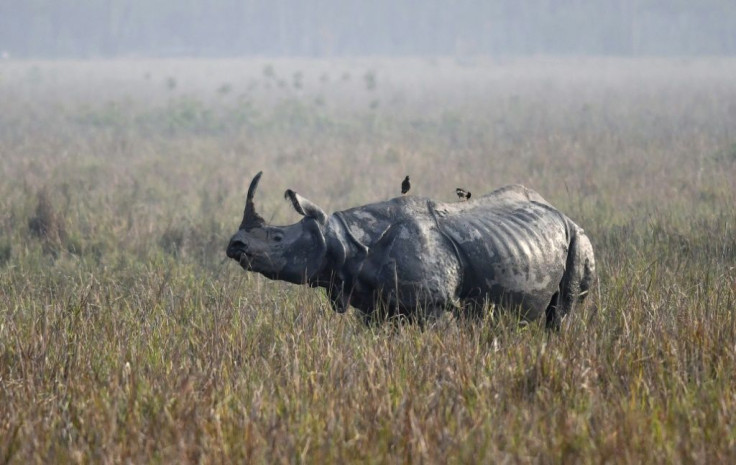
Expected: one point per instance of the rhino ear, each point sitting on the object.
(305, 207)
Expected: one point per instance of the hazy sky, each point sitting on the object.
(92, 28)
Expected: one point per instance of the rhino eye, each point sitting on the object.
(277, 237)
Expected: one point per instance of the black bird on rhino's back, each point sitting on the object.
(463, 194)
(405, 185)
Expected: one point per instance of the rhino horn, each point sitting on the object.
(251, 219)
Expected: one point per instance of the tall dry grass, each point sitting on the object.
(125, 337)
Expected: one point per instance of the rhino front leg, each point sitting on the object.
(338, 303)
(339, 299)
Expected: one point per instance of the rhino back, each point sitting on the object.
(367, 220)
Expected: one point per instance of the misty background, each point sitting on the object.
(324, 28)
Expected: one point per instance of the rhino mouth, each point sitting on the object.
(244, 260)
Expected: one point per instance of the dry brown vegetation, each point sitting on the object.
(125, 337)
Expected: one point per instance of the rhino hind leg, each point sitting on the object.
(576, 280)
(552, 321)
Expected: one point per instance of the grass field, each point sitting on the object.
(125, 336)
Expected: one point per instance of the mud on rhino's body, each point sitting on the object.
(410, 254)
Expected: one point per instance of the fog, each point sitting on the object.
(325, 28)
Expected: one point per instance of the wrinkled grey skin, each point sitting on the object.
(416, 257)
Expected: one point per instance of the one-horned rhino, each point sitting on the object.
(413, 256)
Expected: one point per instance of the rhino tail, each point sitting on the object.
(577, 280)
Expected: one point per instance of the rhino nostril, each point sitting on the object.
(236, 248)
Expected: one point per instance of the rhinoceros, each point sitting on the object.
(509, 249)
